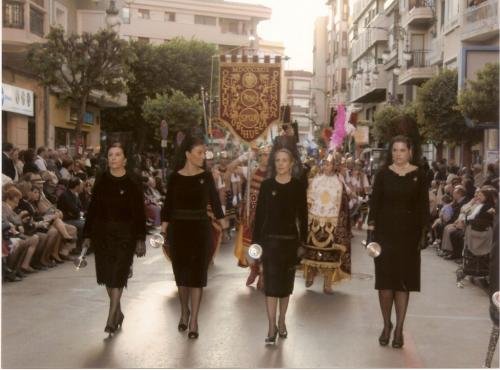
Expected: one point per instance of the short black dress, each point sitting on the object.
(189, 231)
(399, 210)
(115, 221)
(280, 227)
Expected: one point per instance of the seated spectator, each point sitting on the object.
(49, 237)
(50, 185)
(479, 223)
(470, 190)
(445, 215)
(22, 246)
(70, 206)
(47, 209)
(491, 174)
(29, 162)
(8, 167)
(477, 171)
(41, 156)
(66, 169)
(86, 194)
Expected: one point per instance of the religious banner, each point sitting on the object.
(249, 97)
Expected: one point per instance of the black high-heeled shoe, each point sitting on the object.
(183, 327)
(110, 329)
(193, 334)
(383, 340)
(272, 339)
(283, 334)
(398, 342)
(119, 323)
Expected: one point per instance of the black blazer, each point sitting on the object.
(8, 167)
(483, 219)
(70, 205)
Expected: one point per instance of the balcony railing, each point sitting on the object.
(420, 4)
(419, 59)
(480, 19)
(13, 14)
(36, 22)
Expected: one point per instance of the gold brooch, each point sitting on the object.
(122, 191)
(415, 179)
(202, 181)
(273, 193)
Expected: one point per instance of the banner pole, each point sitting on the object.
(249, 175)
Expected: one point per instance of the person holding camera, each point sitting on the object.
(400, 198)
(280, 228)
(116, 227)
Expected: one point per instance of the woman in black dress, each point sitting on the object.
(399, 210)
(190, 189)
(115, 225)
(280, 227)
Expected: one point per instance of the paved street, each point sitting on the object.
(56, 320)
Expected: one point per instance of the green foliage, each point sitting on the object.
(479, 99)
(180, 112)
(73, 66)
(179, 64)
(438, 118)
(384, 127)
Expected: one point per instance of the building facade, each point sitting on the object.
(298, 96)
(319, 88)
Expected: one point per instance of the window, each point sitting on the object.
(66, 137)
(345, 10)
(230, 25)
(88, 117)
(343, 79)
(13, 14)
(300, 102)
(451, 13)
(169, 17)
(301, 85)
(344, 43)
(143, 39)
(125, 13)
(36, 21)
(60, 16)
(205, 19)
(143, 13)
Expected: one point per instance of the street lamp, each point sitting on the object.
(113, 20)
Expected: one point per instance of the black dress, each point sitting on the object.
(185, 210)
(399, 210)
(280, 226)
(115, 221)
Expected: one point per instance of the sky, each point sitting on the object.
(292, 22)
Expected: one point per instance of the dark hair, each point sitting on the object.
(117, 144)
(29, 156)
(67, 162)
(74, 182)
(447, 199)
(7, 147)
(40, 150)
(490, 194)
(399, 139)
(187, 145)
(288, 143)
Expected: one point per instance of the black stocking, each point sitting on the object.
(196, 295)
(283, 307)
(114, 305)
(401, 301)
(386, 297)
(184, 298)
(271, 305)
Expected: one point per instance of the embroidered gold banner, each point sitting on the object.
(249, 97)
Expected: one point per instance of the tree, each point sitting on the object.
(479, 99)
(179, 64)
(384, 127)
(180, 112)
(75, 66)
(437, 116)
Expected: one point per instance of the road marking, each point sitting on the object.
(439, 317)
(153, 259)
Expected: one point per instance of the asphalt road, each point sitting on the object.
(56, 318)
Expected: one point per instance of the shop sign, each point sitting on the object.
(17, 100)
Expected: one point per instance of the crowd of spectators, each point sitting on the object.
(46, 194)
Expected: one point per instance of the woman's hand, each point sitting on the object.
(140, 248)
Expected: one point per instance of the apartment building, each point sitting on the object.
(396, 45)
(319, 90)
(225, 24)
(30, 115)
(298, 96)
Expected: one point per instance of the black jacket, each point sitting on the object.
(8, 167)
(70, 205)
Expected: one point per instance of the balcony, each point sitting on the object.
(359, 7)
(13, 15)
(23, 23)
(373, 93)
(480, 22)
(366, 40)
(418, 69)
(420, 14)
